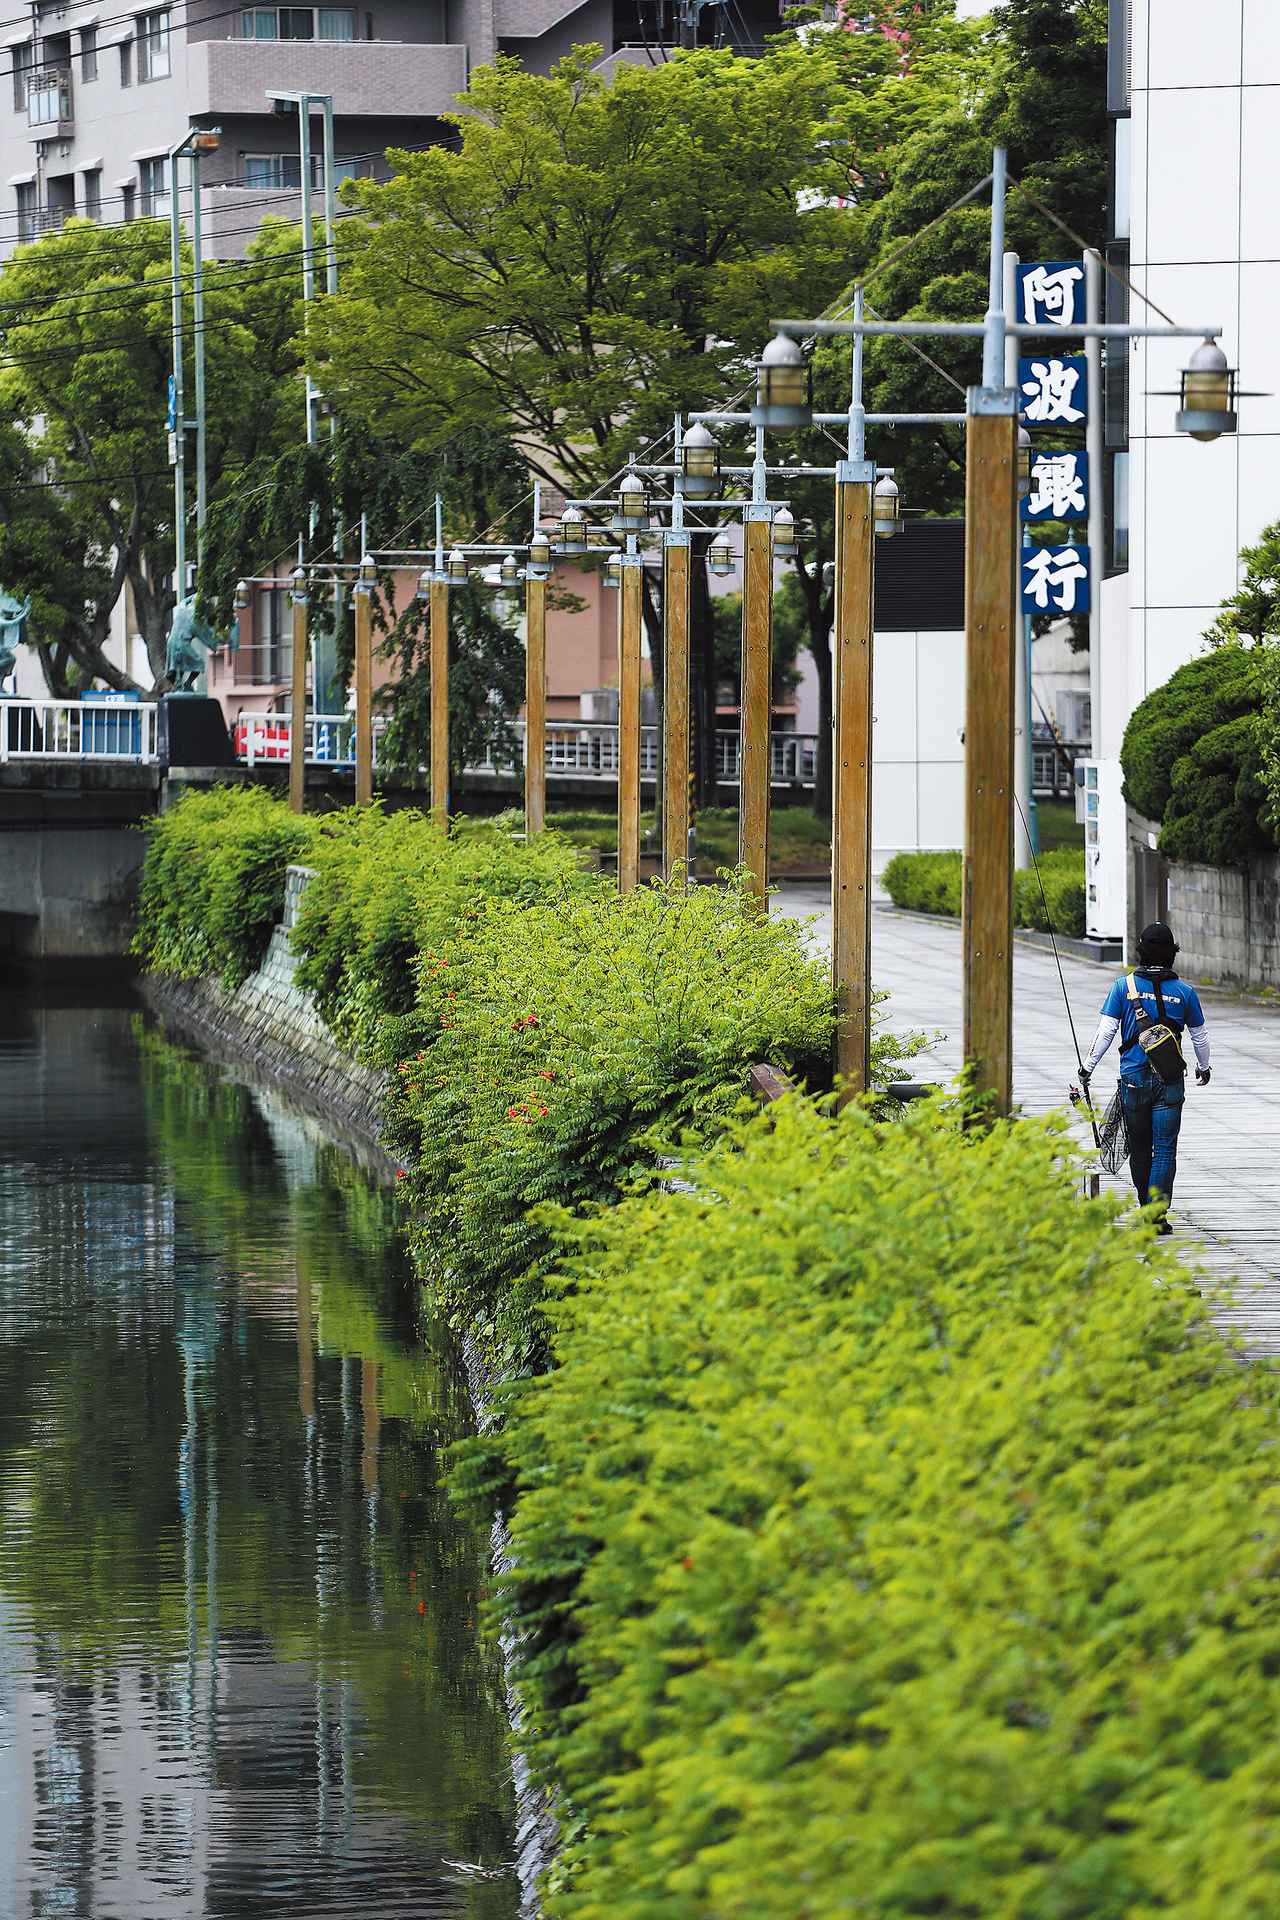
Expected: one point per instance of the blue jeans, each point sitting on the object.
(1153, 1111)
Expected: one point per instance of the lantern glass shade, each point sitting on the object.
(366, 572)
(1024, 463)
(720, 557)
(784, 534)
(573, 531)
(784, 387)
(613, 573)
(457, 565)
(424, 585)
(1208, 394)
(886, 508)
(509, 570)
(632, 510)
(241, 602)
(700, 461)
(540, 556)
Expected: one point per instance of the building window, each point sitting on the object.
(153, 45)
(93, 194)
(24, 60)
(27, 218)
(1120, 179)
(88, 53)
(129, 201)
(298, 23)
(155, 192)
(1115, 353)
(126, 63)
(282, 172)
(1118, 515)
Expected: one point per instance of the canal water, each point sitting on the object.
(240, 1667)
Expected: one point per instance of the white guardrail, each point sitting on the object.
(78, 730)
(576, 750)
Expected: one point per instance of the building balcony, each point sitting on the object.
(50, 110)
(370, 79)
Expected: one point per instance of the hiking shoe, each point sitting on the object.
(1163, 1226)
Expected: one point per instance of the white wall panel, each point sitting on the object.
(895, 805)
(1261, 43)
(1259, 165)
(1259, 352)
(895, 697)
(1193, 179)
(1174, 635)
(940, 703)
(1259, 469)
(941, 821)
(1192, 46)
(1190, 525)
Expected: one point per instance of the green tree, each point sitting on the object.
(87, 501)
(588, 259)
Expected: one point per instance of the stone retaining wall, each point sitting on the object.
(275, 1027)
(1227, 921)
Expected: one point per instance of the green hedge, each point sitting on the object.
(930, 883)
(1193, 758)
(894, 1538)
(213, 881)
(562, 1049)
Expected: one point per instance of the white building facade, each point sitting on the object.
(1195, 95)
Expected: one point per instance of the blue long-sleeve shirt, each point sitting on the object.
(1182, 1012)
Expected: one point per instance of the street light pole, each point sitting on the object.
(364, 681)
(851, 798)
(630, 613)
(756, 689)
(298, 695)
(439, 644)
(535, 679)
(677, 555)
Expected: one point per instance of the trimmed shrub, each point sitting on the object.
(931, 883)
(214, 879)
(390, 888)
(1192, 758)
(894, 1538)
(566, 1048)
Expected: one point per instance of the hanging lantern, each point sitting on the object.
(457, 567)
(700, 462)
(720, 557)
(785, 546)
(573, 532)
(784, 386)
(539, 556)
(1208, 394)
(366, 573)
(424, 585)
(241, 601)
(886, 508)
(509, 571)
(631, 515)
(613, 573)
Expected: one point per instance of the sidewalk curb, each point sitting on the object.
(1068, 944)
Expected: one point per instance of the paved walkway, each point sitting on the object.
(1227, 1200)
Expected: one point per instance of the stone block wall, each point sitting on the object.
(275, 1027)
(1227, 921)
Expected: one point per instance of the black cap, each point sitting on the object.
(1157, 944)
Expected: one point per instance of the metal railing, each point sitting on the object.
(576, 750)
(78, 730)
(49, 97)
(1053, 768)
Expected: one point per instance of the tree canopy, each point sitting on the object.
(86, 490)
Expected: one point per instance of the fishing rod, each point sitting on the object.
(1079, 1096)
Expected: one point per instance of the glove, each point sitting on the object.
(1085, 1077)
(1202, 1076)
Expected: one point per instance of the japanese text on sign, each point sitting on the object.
(1051, 294)
(1052, 389)
(1055, 579)
(1059, 487)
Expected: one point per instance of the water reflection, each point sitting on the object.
(239, 1668)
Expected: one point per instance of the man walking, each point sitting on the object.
(1150, 1009)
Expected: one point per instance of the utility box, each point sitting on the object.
(1100, 806)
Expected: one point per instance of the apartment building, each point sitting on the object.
(96, 96)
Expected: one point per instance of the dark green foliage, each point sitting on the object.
(1192, 757)
(894, 1538)
(213, 882)
(931, 882)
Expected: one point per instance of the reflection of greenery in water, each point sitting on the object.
(285, 1337)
